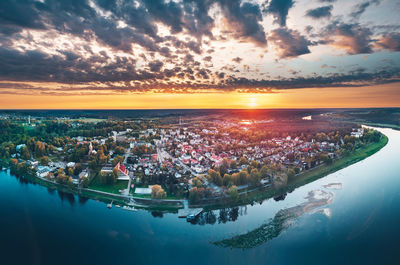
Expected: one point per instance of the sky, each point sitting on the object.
(199, 54)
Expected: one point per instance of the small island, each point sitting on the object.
(172, 162)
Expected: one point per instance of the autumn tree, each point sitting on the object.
(157, 192)
(44, 160)
(255, 176)
(25, 154)
(214, 177)
(117, 159)
(115, 173)
(243, 161)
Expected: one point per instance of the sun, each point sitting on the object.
(253, 103)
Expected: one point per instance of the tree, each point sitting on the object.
(227, 180)
(25, 153)
(291, 157)
(194, 195)
(70, 171)
(223, 169)
(264, 172)
(106, 178)
(197, 182)
(44, 160)
(157, 192)
(243, 161)
(70, 182)
(117, 159)
(243, 177)
(291, 173)
(254, 164)
(119, 150)
(233, 193)
(40, 149)
(115, 173)
(255, 176)
(13, 162)
(233, 164)
(214, 177)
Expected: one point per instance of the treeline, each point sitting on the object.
(21, 169)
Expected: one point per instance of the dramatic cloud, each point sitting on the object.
(289, 42)
(245, 18)
(280, 10)
(320, 12)
(390, 42)
(353, 38)
(98, 46)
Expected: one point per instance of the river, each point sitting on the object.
(349, 217)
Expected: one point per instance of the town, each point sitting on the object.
(198, 159)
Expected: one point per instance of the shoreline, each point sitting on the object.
(256, 194)
(302, 178)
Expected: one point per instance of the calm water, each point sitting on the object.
(349, 217)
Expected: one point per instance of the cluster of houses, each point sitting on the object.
(191, 151)
(188, 151)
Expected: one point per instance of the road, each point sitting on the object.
(127, 153)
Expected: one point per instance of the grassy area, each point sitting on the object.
(114, 188)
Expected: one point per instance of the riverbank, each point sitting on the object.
(257, 194)
(300, 179)
(106, 197)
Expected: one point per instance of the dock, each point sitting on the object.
(187, 212)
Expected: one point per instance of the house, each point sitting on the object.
(70, 164)
(106, 169)
(20, 147)
(143, 191)
(42, 171)
(84, 174)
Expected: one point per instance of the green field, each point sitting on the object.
(114, 188)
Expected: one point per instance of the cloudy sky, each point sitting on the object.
(199, 53)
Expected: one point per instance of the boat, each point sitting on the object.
(129, 208)
(117, 206)
(190, 217)
(109, 206)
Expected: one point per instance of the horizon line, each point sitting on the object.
(252, 109)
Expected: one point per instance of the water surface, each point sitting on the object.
(349, 217)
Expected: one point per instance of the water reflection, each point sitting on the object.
(70, 198)
(82, 200)
(283, 220)
(220, 216)
(157, 214)
(51, 191)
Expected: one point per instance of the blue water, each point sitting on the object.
(359, 225)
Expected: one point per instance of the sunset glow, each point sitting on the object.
(189, 54)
